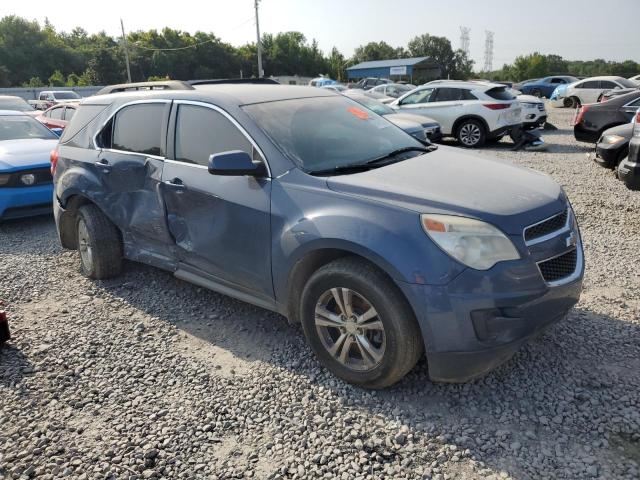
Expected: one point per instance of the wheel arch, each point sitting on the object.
(68, 218)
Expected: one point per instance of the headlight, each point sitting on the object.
(610, 139)
(28, 179)
(4, 178)
(472, 242)
(528, 105)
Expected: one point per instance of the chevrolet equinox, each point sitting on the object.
(304, 202)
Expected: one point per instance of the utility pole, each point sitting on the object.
(488, 52)
(126, 52)
(260, 71)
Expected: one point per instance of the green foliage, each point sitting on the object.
(34, 82)
(454, 64)
(72, 80)
(57, 79)
(376, 51)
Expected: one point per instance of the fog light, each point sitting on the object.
(531, 116)
(28, 179)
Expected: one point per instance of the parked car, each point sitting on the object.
(58, 116)
(25, 179)
(390, 91)
(588, 90)
(609, 94)
(635, 79)
(301, 201)
(368, 83)
(321, 82)
(534, 112)
(629, 167)
(518, 85)
(593, 119)
(49, 98)
(472, 112)
(544, 87)
(16, 104)
(418, 126)
(613, 145)
(336, 87)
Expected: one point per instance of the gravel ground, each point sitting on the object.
(146, 376)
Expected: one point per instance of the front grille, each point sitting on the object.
(548, 226)
(43, 176)
(541, 107)
(559, 267)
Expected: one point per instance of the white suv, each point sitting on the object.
(472, 112)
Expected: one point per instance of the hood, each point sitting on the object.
(26, 153)
(419, 119)
(451, 181)
(529, 99)
(625, 131)
(405, 124)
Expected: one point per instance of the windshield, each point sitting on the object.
(19, 127)
(16, 104)
(327, 132)
(66, 95)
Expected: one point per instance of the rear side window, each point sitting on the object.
(446, 94)
(201, 132)
(589, 84)
(138, 129)
(467, 95)
(83, 116)
(500, 93)
(608, 85)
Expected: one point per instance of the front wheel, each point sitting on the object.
(471, 134)
(571, 102)
(359, 325)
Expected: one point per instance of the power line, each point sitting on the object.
(465, 40)
(488, 51)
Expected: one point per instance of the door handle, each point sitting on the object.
(104, 165)
(176, 184)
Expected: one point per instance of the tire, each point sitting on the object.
(377, 349)
(572, 102)
(99, 244)
(471, 133)
(536, 92)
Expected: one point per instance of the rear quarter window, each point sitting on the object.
(84, 114)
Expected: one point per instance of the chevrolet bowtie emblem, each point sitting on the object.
(572, 239)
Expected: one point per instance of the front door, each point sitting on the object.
(221, 224)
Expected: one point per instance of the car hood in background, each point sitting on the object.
(26, 153)
(625, 131)
(403, 123)
(412, 117)
(455, 182)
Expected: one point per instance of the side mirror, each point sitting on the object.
(235, 163)
(57, 131)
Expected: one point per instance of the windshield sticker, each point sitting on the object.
(359, 113)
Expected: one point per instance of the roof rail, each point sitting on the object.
(216, 81)
(131, 87)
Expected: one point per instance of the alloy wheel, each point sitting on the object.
(350, 329)
(470, 134)
(84, 245)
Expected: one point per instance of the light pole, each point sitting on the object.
(260, 71)
(126, 51)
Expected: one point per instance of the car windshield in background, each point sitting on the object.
(16, 104)
(67, 95)
(20, 127)
(323, 133)
(501, 93)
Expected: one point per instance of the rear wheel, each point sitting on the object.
(471, 133)
(536, 92)
(359, 325)
(98, 243)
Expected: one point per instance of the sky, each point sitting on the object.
(574, 29)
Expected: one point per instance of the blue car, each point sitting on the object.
(306, 203)
(26, 185)
(544, 87)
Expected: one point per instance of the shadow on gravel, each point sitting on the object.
(14, 365)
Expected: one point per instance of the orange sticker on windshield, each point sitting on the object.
(361, 114)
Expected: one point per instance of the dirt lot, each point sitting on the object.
(146, 376)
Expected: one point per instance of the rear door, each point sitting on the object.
(221, 224)
(588, 91)
(129, 166)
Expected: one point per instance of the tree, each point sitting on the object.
(453, 64)
(376, 51)
(337, 65)
(57, 79)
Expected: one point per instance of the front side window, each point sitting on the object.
(138, 129)
(201, 132)
(421, 96)
(325, 133)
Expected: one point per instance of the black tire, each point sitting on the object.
(99, 244)
(471, 133)
(536, 92)
(403, 344)
(572, 102)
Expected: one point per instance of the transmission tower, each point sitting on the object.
(488, 52)
(464, 39)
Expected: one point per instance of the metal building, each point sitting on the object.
(408, 69)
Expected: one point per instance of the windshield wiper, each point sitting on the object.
(398, 151)
(354, 167)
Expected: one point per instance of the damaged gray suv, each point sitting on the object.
(306, 203)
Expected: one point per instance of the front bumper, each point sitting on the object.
(529, 124)
(482, 318)
(608, 154)
(629, 173)
(22, 202)
(584, 135)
